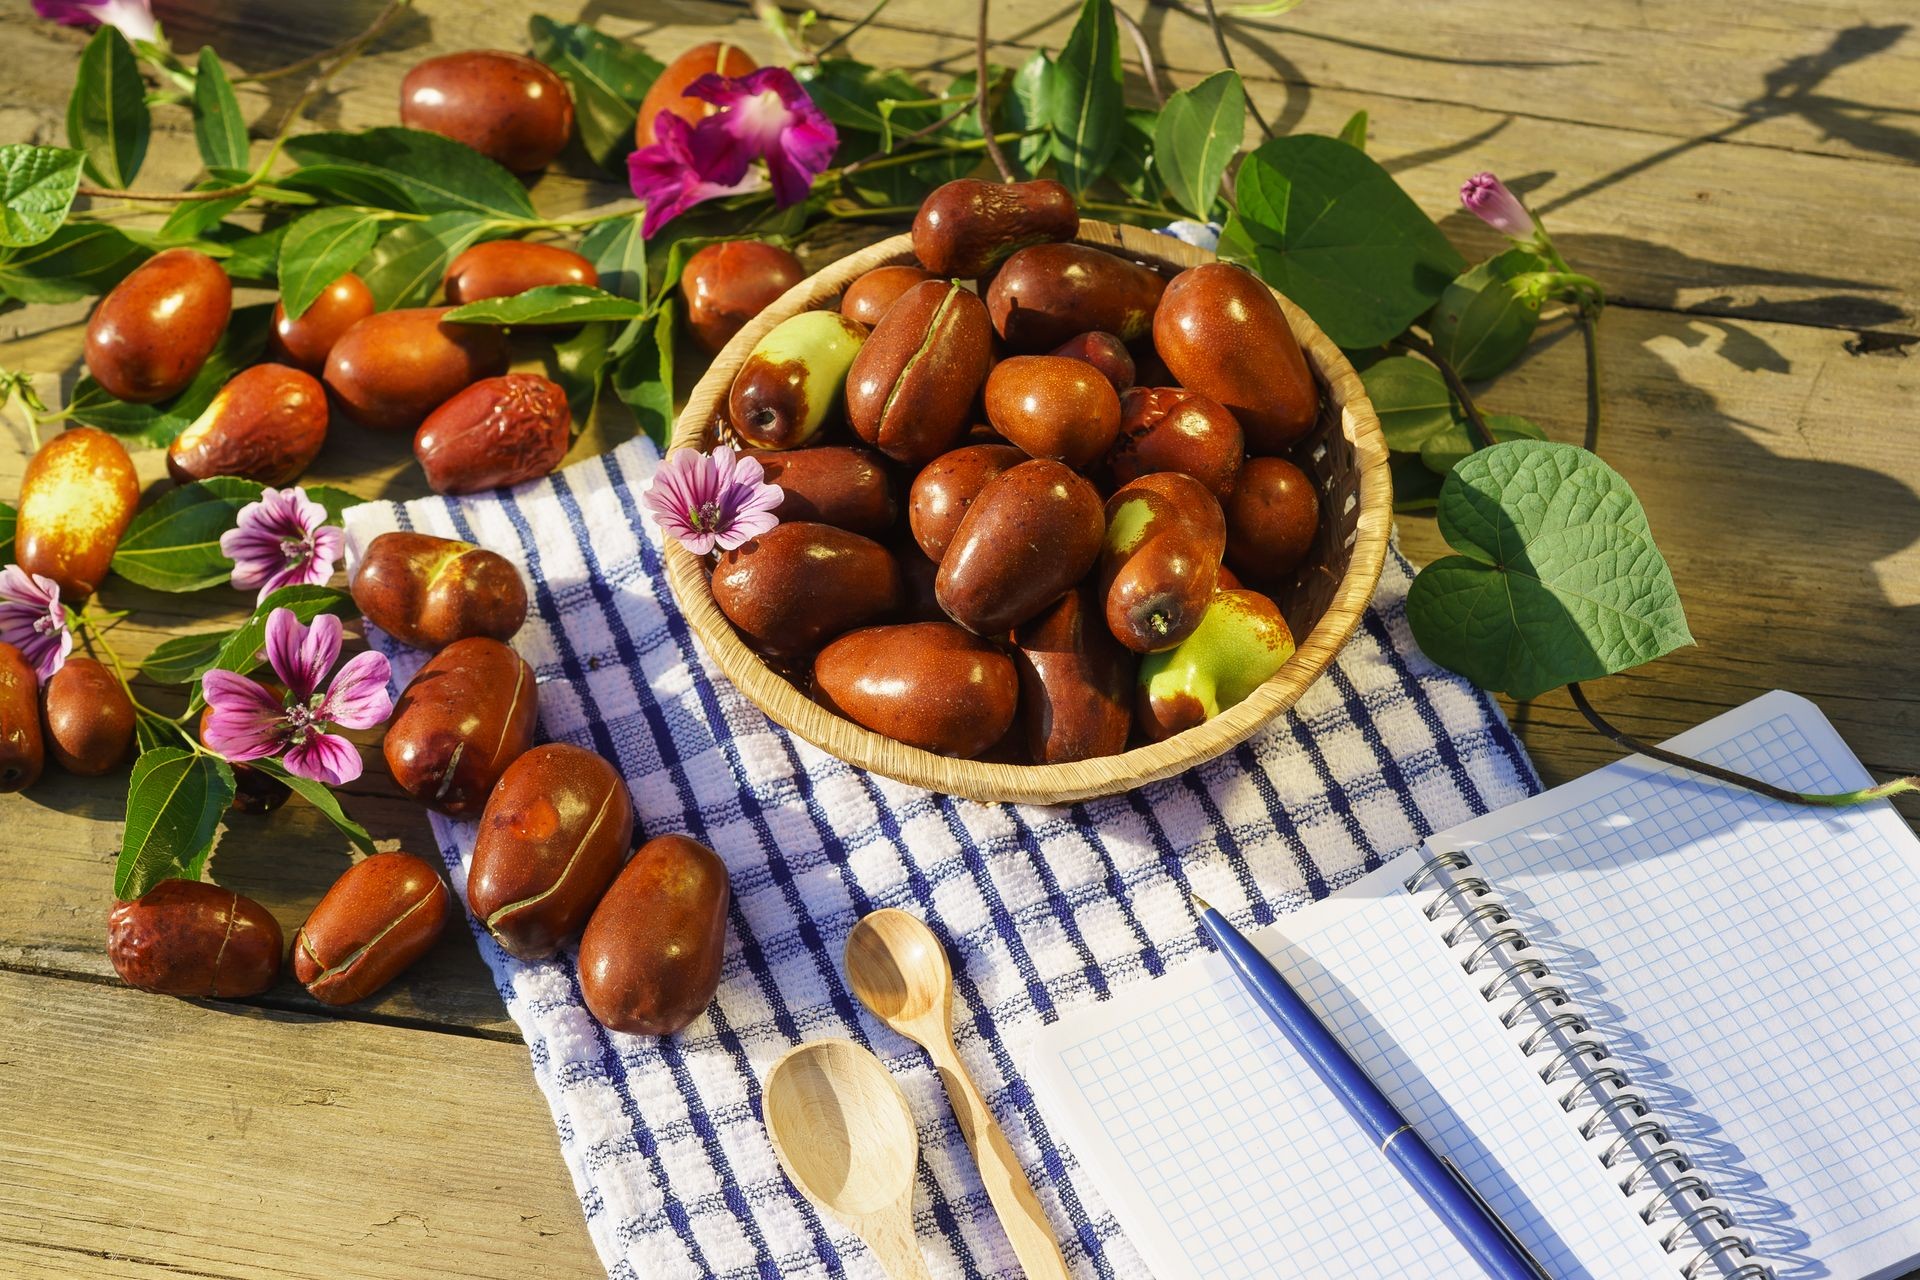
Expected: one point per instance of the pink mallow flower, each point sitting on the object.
(281, 541)
(1487, 198)
(133, 17)
(709, 500)
(32, 620)
(247, 722)
(763, 116)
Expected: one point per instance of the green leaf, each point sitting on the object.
(619, 254)
(1025, 109)
(107, 114)
(550, 304)
(1354, 131)
(317, 795)
(580, 366)
(347, 184)
(79, 260)
(1412, 400)
(1200, 130)
(1331, 229)
(335, 500)
(218, 127)
(174, 545)
(240, 649)
(436, 173)
(36, 190)
(318, 249)
(1557, 577)
(174, 802)
(158, 424)
(409, 261)
(255, 255)
(608, 78)
(1482, 323)
(1132, 168)
(643, 375)
(182, 659)
(851, 94)
(1080, 97)
(1445, 449)
(151, 732)
(1414, 487)
(9, 518)
(192, 219)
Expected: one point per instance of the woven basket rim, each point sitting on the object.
(787, 706)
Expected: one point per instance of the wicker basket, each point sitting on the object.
(1345, 455)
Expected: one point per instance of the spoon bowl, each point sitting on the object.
(899, 970)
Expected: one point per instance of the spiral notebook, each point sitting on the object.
(1665, 1027)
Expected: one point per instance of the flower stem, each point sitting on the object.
(1226, 60)
(983, 99)
(90, 625)
(1837, 799)
(1147, 67)
(1455, 383)
(1139, 210)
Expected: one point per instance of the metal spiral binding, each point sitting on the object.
(1682, 1206)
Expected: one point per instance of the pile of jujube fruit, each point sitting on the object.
(1091, 463)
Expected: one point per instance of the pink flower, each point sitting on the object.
(763, 116)
(133, 17)
(709, 500)
(32, 621)
(247, 722)
(281, 541)
(1486, 197)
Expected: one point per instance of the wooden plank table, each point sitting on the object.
(1741, 174)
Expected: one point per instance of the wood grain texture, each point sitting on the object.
(1740, 174)
(144, 1136)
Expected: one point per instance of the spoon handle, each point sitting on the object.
(1007, 1186)
(895, 1247)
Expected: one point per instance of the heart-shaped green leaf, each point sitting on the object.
(1326, 225)
(36, 190)
(174, 801)
(1412, 400)
(1080, 96)
(1557, 577)
(107, 115)
(174, 545)
(550, 304)
(1199, 131)
(318, 249)
(1444, 450)
(218, 127)
(1482, 323)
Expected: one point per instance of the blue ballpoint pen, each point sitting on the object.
(1438, 1182)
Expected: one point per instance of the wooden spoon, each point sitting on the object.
(843, 1133)
(900, 972)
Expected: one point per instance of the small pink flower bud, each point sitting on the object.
(1487, 198)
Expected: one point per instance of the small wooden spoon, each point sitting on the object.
(843, 1133)
(900, 972)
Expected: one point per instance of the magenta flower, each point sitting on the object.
(133, 17)
(32, 621)
(763, 116)
(1488, 198)
(280, 541)
(709, 500)
(247, 722)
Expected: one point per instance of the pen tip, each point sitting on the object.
(1202, 903)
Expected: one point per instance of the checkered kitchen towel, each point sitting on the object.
(1042, 909)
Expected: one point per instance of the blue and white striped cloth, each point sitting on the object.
(1042, 909)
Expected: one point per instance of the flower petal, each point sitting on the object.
(358, 697)
(244, 721)
(301, 656)
(324, 757)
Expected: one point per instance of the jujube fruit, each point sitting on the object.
(306, 341)
(498, 432)
(1158, 565)
(511, 109)
(910, 388)
(189, 938)
(727, 284)
(1032, 532)
(390, 370)
(1272, 517)
(553, 835)
(797, 586)
(89, 717)
(947, 486)
(668, 90)
(152, 332)
(832, 484)
(868, 298)
(1173, 429)
(967, 227)
(650, 956)
(927, 684)
(793, 379)
(504, 268)
(1104, 352)
(463, 718)
(1048, 293)
(1240, 643)
(1054, 407)
(267, 424)
(76, 499)
(1222, 333)
(381, 915)
(1076, 681)
(23, 749)
(429, 592)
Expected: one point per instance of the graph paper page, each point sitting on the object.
(1224, 1156)
(1755, 965)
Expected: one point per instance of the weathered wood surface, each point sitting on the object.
(1742, 176)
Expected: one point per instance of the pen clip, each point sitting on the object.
(1512, 1239)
